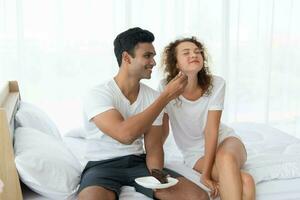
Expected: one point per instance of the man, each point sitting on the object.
(122, 112)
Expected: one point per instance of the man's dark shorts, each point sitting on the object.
(114, 173)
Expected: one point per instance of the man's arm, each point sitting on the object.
(165, 127)
(154, 148)
(126, 131)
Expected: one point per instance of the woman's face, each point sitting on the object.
(189, 58)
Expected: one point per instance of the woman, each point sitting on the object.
(208, 146)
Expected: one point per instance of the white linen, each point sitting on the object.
(272, 154)
(76, 133)
(258, 139)
(45, 165)
(29, 115)
(77, 147)
(286, 189)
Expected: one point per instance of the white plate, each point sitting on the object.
(153, 183)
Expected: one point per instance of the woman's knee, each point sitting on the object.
(247, 180)
(248, 186)
(225, 158)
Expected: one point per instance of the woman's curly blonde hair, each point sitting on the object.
(169, 63)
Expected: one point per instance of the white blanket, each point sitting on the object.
(272, 154)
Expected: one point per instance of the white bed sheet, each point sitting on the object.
(260, 140)
(278, 190)
(270, 190)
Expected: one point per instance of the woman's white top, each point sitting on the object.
(188, 118)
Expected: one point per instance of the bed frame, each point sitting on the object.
(9, 103)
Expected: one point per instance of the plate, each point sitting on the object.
(153, 183)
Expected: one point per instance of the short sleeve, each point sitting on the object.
(97, 101)
(216, 101)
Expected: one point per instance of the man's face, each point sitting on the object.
(143, 61)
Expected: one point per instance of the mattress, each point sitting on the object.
(273, 160)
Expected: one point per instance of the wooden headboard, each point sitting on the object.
(9, 103)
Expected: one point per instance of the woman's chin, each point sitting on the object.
(191, 72)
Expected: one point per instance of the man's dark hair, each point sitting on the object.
(127, 40)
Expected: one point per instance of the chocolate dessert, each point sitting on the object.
(159, 175)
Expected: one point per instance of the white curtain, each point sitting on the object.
(58, 49)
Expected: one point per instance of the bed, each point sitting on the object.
(9, 101)
(273, 157)
(273, 160)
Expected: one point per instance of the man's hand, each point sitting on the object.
(160, 175)
(176, 86)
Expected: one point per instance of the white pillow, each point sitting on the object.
(77, 146)
(31, 116)
(76, 133)
(45, 164)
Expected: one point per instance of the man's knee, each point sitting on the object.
(187, 190)
(201, 194)
(96, 193)
(195, 192)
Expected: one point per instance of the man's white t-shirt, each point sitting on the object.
(104, 97)
(188, 118)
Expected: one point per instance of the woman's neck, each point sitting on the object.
(192, 91)
(192, 84)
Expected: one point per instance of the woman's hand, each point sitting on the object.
(212, 185)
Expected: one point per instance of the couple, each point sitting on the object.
(123, 112)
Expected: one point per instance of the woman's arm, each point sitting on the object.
(211, 141)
